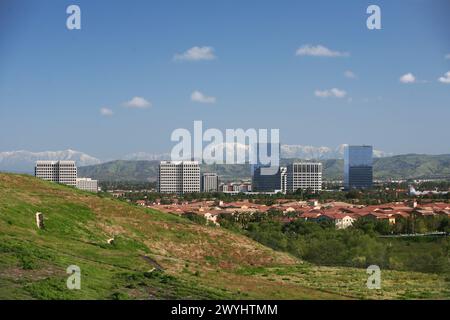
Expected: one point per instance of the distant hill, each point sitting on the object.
(23, 161)
(147, 170)
(122, 170)
(413, 166)
(406, 166)
(396, 167)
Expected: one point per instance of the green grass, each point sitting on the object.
(197, 262)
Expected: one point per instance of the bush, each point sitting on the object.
(195, 218)
(359, 246)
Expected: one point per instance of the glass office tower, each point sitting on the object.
(262, 181)
(358, 168)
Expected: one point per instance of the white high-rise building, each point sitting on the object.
(283, 177)
(179, 177)
(64, 172)
(305, 175)
(87, 184)
(210, 182)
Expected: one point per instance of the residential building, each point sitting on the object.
(305, 176)
(87, 184)
(235, 188)
(341, 221)
(210, 182)
(358, 167)
(179, 177)
(211, 218)
(246, 187)
(64, 172)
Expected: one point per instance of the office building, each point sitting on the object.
(210, 182)
(266, 173)
(269, 182)
(87, 184)
(179, 177)
(305, 176)
(358, 167)
(283, 177)
(64, 172)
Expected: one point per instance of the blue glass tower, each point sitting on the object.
(261, 181)
(358, 167)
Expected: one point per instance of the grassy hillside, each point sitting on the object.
(397, 167)
(156, 255)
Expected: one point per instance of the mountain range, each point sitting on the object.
(409, 166)
(288, 151)
(320, 153)
(24, 161)
(143, 166)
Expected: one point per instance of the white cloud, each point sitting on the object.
(106, 112)
(319, 51)
(447, 56)
(336, 93)
(350, 74)
(408, 78)
(197, 96)
(138, 103)
(196, 54)
(445, 78)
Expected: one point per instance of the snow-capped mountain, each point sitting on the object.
(308, 152)
(147, 156)
(321, 153)
(287, 152)
(24, 161)
(226, 148)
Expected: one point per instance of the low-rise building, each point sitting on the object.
(341, 221)
(87, 184)
(210, 182)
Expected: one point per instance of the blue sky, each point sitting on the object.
(54, 81)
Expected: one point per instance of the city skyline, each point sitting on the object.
(23, 160)
(125, 81)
